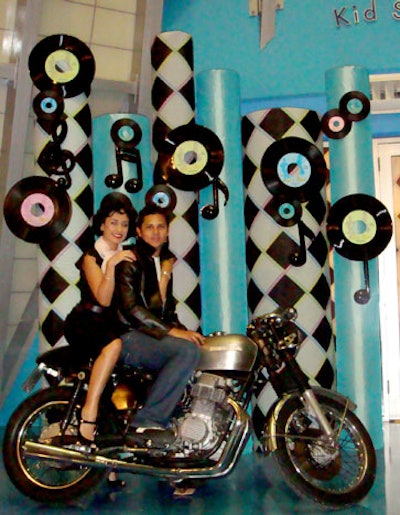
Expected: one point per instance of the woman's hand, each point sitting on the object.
(122, 255)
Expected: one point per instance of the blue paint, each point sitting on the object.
(307, 42)
(222, 240)
(17, 394)
(358, 338)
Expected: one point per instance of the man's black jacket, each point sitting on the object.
(137, 294)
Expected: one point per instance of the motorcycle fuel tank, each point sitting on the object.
(234, 352)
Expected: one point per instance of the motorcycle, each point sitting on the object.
(321, 447)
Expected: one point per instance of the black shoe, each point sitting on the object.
(116, 484)
(149, 436)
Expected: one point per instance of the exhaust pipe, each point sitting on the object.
(222, 467)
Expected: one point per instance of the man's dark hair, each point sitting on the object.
(152, 209)
(115, 202)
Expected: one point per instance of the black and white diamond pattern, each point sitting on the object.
(173, 101)
(272, 279)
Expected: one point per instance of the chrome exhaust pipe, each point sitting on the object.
(222, 467)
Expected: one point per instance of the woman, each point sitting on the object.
(92, 327)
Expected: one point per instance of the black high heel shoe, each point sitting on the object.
(82, 439)
(116, 484)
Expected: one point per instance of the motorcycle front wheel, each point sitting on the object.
(332, 475)
(38, 419)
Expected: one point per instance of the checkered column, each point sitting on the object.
(173, 101)
(272, 280)
(57, 257)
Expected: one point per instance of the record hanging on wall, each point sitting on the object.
(354, 106)
(161, 196)
(359, 227)
(190, 158)
(293, 168)
(48, 105)
(334, 125)
(64, 60)
(284, 212)
(36, 210)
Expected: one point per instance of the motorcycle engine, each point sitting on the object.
(208, 416)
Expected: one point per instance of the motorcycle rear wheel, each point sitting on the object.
(334, 478)
(37, 419)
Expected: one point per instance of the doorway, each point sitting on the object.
(386, 154)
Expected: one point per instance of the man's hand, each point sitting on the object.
(193, 336)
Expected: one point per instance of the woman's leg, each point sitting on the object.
(101, 371)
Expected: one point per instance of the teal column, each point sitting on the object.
(222, 240)
(357, 325)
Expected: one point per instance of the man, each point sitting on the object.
(156, 339)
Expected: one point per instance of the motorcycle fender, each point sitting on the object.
(269, 433)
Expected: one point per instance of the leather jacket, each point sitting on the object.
(137, 296)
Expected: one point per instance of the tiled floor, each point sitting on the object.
(254, 487)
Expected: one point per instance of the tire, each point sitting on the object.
(37, 419)
(334, 478)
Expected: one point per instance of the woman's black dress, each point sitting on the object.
(90, 327)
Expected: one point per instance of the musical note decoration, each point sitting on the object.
(211, 211)
(126, 135)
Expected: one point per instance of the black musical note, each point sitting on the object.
(211, 211)
(300, 257)
(115, 180)
(55, 160)
(363, 295)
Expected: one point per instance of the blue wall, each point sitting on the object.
(291, 71)
(307, 42)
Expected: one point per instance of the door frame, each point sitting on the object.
(383, 151)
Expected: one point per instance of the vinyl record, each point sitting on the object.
(161, 196)
(359, 227)
(63, 60)
(35, 209)
(48, 105)
(293, 168)
(190, 158)
(334, 125)
(284, 212)
(126, 133)
(355, 106)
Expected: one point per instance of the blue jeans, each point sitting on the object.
(174, 359)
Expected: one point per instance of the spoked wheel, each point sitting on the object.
(334, 475)
(38, 419)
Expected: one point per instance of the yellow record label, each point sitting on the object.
(359, 227)
(62, 66)
(190, 157)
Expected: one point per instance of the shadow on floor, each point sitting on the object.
(255, 486)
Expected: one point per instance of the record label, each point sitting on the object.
(294, 170)
(37, 210)
(62, 66)
(190, 157)
(359, 227)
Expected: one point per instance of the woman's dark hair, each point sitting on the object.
(152, 209)
(115, 203)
